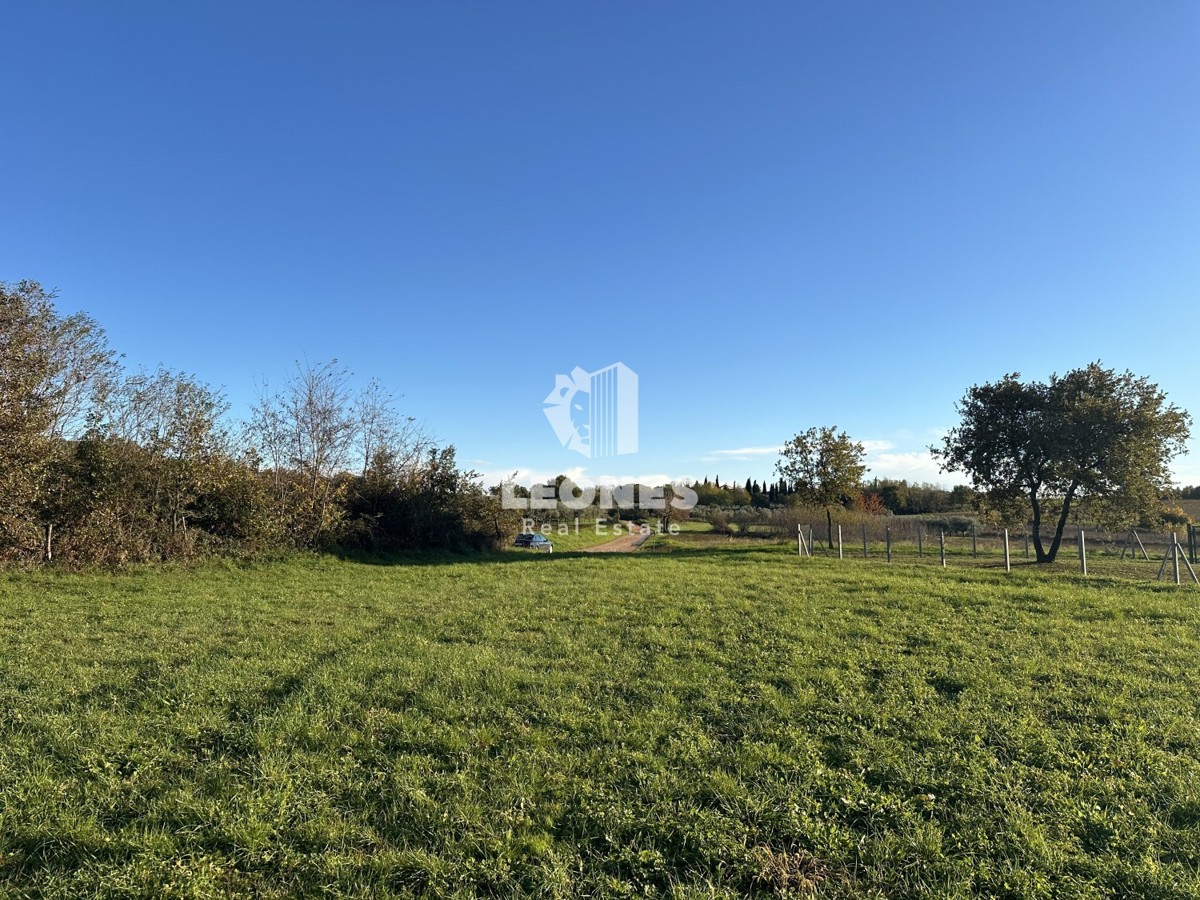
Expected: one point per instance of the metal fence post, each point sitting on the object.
(942, 535)
(839, 542)
(887, 536)
(1007, 561)
(1082, 553)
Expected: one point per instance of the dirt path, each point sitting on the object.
(626, 543)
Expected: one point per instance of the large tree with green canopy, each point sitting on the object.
(1092, 434)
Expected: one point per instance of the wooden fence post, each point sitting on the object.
(920, 548)
(839, 542)
(974, 546)
(942, 534)
(887, 536)
(864, 542)
(1082, 553)
(1007, 561)
(1174, 554)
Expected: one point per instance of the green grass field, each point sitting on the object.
(708, 722)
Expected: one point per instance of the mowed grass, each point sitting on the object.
(713, 723)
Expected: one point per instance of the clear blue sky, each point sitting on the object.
(779, 214)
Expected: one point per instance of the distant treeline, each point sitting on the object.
(103, 466)
(880, 495)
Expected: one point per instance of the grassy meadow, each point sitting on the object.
(714, 721)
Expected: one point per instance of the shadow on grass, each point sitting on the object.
(533, 557)
(1061, 570)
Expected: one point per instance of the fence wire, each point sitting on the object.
(1139, 554)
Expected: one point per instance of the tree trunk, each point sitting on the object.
(48, 547)
(829, 525)
(1062, 522)
(1037, 528)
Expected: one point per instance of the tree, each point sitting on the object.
(381, 429)
(825, 469)
(676, 506)
(53, 372)
(1092, 434)
(177, 421)
(307, 433)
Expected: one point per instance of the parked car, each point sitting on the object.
(534, 542)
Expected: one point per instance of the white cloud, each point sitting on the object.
(918, 465)
(1187, 472)
(526, 477)
(744, 454)
(579, 475)
(653, 478)
(877, 446)
(747, 451)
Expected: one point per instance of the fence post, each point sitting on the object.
(1175, 556)
(1192, 542)
(864, 542)
(1007, 561)
(943, 539)
(920, 548)
(974, 546)
(1082, 553)
(810, 540)
(1025, 535)
(839, 542)
(799, 540)
(1187, 564)
(887, 536)
(1163, 567)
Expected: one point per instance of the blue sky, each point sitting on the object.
(779, 215)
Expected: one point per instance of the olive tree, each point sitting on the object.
(1092, 434)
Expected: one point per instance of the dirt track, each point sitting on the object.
(626, 543)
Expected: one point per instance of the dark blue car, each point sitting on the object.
(534, 542)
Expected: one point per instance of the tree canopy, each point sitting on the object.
(825, 468)
(103, 466)
(1090, 435)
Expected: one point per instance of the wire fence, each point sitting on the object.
(1133, 553)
